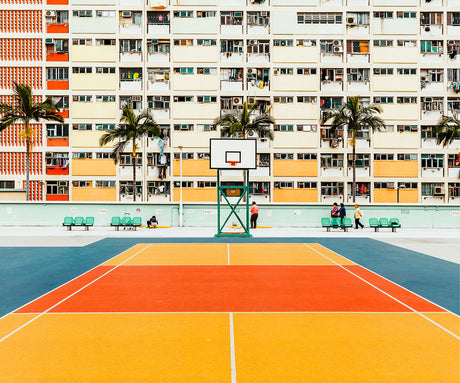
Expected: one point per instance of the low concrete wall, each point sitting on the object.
(275, 215)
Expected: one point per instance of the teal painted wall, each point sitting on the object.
(52, 214)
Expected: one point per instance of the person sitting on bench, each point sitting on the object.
(152, 222)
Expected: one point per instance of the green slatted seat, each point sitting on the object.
(374, 223)
(89, 221)
(68, 222)
(326, 222)
(136, 222)
(116, 222)
(347, 222)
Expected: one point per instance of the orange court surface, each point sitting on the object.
(230, 312)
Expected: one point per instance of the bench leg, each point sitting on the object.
(135, 228)
(376, 229)
(69, 228)
(393, 229)
(345, 229)
(328, 229)
(86, 228)
(117, 228)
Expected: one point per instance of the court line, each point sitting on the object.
(232, 350)
(71, 295)
(384, 292)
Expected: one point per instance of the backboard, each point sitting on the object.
(233, 153)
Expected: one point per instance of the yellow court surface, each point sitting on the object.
(230, 313)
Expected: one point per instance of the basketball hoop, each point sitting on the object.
(232, 163)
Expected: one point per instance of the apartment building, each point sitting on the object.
(190, 61)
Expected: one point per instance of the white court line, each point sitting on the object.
(384, 292)
(232, 334)
(71, 295)
(228, 253)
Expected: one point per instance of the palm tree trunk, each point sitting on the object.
(134, 179)
(353, 185)
(28, 150)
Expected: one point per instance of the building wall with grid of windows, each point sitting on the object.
(190, 61)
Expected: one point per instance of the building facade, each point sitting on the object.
(190, 61)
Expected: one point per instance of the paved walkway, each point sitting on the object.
(440, 243)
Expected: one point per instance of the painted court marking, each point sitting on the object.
(71, 295)
(389, 295)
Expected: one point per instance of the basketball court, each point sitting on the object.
(230, 312)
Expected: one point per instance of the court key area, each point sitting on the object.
(239, 312)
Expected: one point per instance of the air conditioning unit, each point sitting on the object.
(439, 190)
(352, 21)
(354, 71)
(126, 13)
(276, 71)
(423, 78)
(450, 43)
(390, 185)
(154, 41)
(263, 14)
(339, 71)
(49, 41)
(48, 155)
(249, 70)
(137, 98)
(337, 43)
(50, 13)
(338, 49)
(62, 183)
(236, 100)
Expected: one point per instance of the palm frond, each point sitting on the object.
(447, 130)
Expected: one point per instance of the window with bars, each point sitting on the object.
(432, 161)
(432, 104)
(231, 18)
(284, 156)
(332, 188)
(319, 18)
(362, 160)
(57, 74)
(57, 130)
(258, 18)
(332, 160)
(284, 185)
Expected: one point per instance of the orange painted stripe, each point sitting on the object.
(44, 303)
(229, 289)
(405, 296)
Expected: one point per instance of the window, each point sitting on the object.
(231, 46)
(306, 71)
(319, 18)
(453, 75)
(454, 189)
(206, 43)
(105, 13)
(432, 104)
(106, 42)
(430, 189)
(258, 46)
(284, 71)
(357, 75)
(158, 187)
(86, 42)
(383, 43)
(82, 127)
(182, 42)
(407, 128)
(284, 128)
(185, 184)
(283, 43)
(406, 100)
(407, 71)
(383, 100)
(430, 18)
(428, 132)
(183, 98)
(57, 130)
(284, 185)
(185, 156)
(362, 160)
(306, 43)
(354, 47)
(330, 102)
(206, 99)
(283, 99)
(284, 156)
(307, 185)
(383, 15)
(384, 157)
(231, 18)
(158, 18)
(407, 43)
(332, 160)
(384, 185)
(453, 160)
(432, 161)
(306, 99)
(82, 70)
(183, 14)
(206, 70)
(57, 74)
(307, 128)
(103, 156)
(258, 18)
(383, 71)
(57, 187)
(126, 188)
(105, 70)
(82, 156)
(6, 184)
(453, 105)
(126, 159)
(105, 184)
(406, 15)
(105, 98)
(205, 14)
(431, 46)
(130, 46)
(205, 127)
(306, 156)
(407, 157)
(453, 18)
(130, 74)
(158, 102)
(331, 188)
(259, 188)
(183, 70)
(84, 98)
(83, 13)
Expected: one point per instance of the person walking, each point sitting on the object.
(342, 214)
(254, 215)
(358, 215)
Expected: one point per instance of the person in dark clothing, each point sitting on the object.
(152, 222)
(342, 213)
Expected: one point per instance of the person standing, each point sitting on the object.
(358, 215)
(342, 213)
(254, 215)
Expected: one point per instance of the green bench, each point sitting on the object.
(70, 222)
(126, 222)
(335, 223)
(384, 223)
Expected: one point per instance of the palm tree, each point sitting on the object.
(353, 117)
(131, 129)
(447, 130)
(24, 110)
(245, 124)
